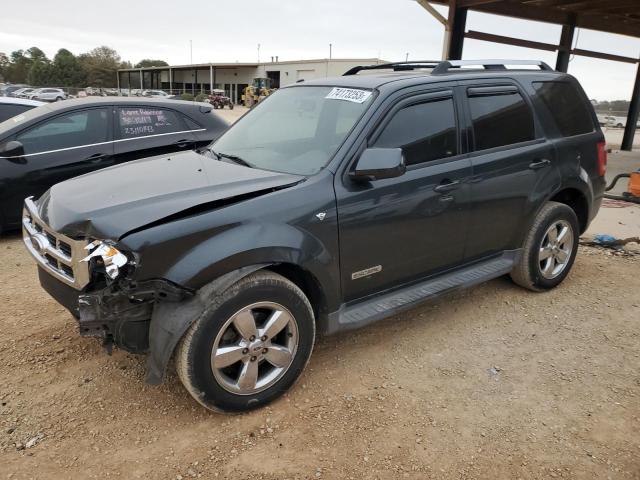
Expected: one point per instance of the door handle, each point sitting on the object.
(96, 157)
(539, 164)
(184, 143)
(447, 186)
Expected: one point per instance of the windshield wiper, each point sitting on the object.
(233, 158)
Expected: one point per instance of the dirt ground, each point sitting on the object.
(494, 382)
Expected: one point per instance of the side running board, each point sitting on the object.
(381, 306)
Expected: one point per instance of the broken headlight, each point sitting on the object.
(109, 256)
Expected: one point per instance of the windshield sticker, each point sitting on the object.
(349, 94)
(18, 118)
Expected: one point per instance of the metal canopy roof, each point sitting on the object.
(612, 16)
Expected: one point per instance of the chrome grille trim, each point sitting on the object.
(49, 255)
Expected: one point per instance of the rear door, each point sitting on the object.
(61, 147)
(512, 162)
(145, 131)
(570, 124)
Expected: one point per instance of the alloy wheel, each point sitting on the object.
(555, 249)
(254, 348)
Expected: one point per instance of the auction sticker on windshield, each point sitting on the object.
(349, 94)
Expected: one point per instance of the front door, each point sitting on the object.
(62, 147)
(400, 229)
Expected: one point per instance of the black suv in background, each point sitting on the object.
(332, 204)
(44, 146)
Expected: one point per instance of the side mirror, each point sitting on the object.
(12, 149)
(379, 163)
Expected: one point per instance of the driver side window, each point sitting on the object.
(425, 131)
(73, 129)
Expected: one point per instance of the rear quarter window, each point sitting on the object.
(144, 121)
(567, 107)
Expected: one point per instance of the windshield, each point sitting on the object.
(296, 130)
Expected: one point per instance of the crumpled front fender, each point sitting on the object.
(170, 321)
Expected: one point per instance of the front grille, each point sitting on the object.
(57, 254)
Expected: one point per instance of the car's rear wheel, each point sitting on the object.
(249, 346)
(550, 248)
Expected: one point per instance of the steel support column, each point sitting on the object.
(564, 49)
(141, 81)
(170, 82)
(457, 23)
(118, 82)
(210, 78)
(632, 116)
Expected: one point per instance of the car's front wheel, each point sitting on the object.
(550, 248)
(249, 346)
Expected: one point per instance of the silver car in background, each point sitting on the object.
(48, 94)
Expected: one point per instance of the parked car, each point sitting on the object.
(219, 100)
(20, 92)
(10, 107)
(155, 94)
(48, 94)
(7, 90)
(332, 204)
(62, 140)
(620, 122)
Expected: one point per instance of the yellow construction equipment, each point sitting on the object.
(257, 91)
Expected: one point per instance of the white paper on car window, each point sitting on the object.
(349, 94)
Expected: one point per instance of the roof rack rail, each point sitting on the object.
(443, 66)
(446, 65)
(395, 66)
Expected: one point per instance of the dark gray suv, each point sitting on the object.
(332, 204)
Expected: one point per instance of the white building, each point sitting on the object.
(233, 77)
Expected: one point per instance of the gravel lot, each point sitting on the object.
(495, 382)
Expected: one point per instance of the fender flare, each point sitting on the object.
(170, 321)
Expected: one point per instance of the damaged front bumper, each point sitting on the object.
(120, 314)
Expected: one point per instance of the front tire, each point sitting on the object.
(549, 249)
(249, 346)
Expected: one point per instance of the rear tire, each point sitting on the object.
(249, 346)
(549, 249)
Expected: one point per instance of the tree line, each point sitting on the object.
(96, 68)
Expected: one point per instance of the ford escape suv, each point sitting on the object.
(332, 204)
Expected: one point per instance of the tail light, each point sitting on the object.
(602, 158)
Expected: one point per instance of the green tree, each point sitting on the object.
(4, 65)
(40, 75)
(66, 71)
(18, 68)
(100, 66)
(147, 62)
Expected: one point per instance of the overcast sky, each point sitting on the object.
(294, 29)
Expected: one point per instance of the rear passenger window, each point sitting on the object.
(425, 132)
(144, 121)
(500, 120)
(566, 106)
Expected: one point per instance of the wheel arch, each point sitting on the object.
(577, 201)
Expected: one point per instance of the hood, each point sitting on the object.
(108, 203)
